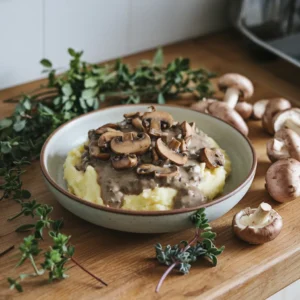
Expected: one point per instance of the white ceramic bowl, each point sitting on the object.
(73, 133)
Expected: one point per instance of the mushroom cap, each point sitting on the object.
(146, 169)
(213, 158)
(281, 117)
(289, 142)
(124, 162)
(136, 143)
(283, 180)
(245, 109)
(237, 81)
(273, 107)
(222, 111)
(259, 108)
(257, 234)
(202, 105)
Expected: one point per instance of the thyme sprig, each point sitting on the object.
(80, 89)
(182, 255)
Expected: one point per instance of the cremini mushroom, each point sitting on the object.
(289, 118)
(222, 111)
(107, 136)
(283, 180)
(202, 106)
(107, 127)
(174, 144)
(245, 109)
(131, 143)
(147, 169)
(285, 144)
(124, 162)
(133, 115)
(236, 87)
(187, 130)
(95, 152)
(272, 108)
(138, 124)
(213, 158)
(155, 121)
(167, 153)
(257, 225)
(259, 108)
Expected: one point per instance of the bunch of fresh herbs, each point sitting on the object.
(79, 90)
(182, 255)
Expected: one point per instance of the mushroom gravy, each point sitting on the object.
(183, 176)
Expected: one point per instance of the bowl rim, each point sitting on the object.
(142, 212)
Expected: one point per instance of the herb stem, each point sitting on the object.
(171, 267)
(17, 215)
(34, 265)
(7, 250)
(88, 272)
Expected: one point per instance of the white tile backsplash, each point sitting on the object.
(104, 29)
(21, 35)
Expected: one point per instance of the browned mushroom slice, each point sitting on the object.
(124, 162)
(106, 137)
(106, 127)
(131, 143)
(133, 115)
(155, 156)
(174, 144)
(212, 157)
(147, 169)
(165, 152)
(183, 146)
(96, 153)
(155, 121)
(138, 124)
(187, 130)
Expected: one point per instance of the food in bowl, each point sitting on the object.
(149, 162)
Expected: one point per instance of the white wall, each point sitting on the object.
(104, 29)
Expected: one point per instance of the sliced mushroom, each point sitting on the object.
(273, 107)
(259, 108)
(165, 152)
(212, 157)
(132, 143)
(222, 111)
(245, 109)
(236, 87)
(124, 162)
(138, 124)
(187, 130)
(183, 146)
(283, 180)
(106, 127)
(106, 137)
(285, 144)
(257, 225)
(155, 121)
(147, 169)
(155, 156)
(133, 115)
(174, 144)
(289, 118)
(95, 152)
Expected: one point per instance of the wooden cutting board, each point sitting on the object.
(126, 261)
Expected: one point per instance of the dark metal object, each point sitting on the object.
(273, 25)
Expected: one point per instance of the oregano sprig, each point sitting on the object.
(182, 255)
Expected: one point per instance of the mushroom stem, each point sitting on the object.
(231, 97)
(262, 214)
(294, 125)
(278, 145)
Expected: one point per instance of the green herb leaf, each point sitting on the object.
(46, 63)
(19, 125)
(161, 99)
(158, 59)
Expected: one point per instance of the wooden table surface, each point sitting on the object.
(126, 261)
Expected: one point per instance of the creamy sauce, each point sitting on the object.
(115, 184)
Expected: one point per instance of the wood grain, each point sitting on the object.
(126, 261)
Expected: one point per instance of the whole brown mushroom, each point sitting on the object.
(236, 87)
(245, 109)
(285, 144)
(202, 106)
(283, 180)
(259, 108)
(257, 225)
(272, 108)
(289, 118)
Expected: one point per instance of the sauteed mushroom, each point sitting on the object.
(146, 169)
(155, 121)
(187, 130)
(95, 152)
(174, 144)
(138, 124)
(165, 152)
(212, 157)
(124, 162)
(106, 127)
(131, 143)
(133, 115)
(106, 137)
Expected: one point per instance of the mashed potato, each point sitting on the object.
(85, 185)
